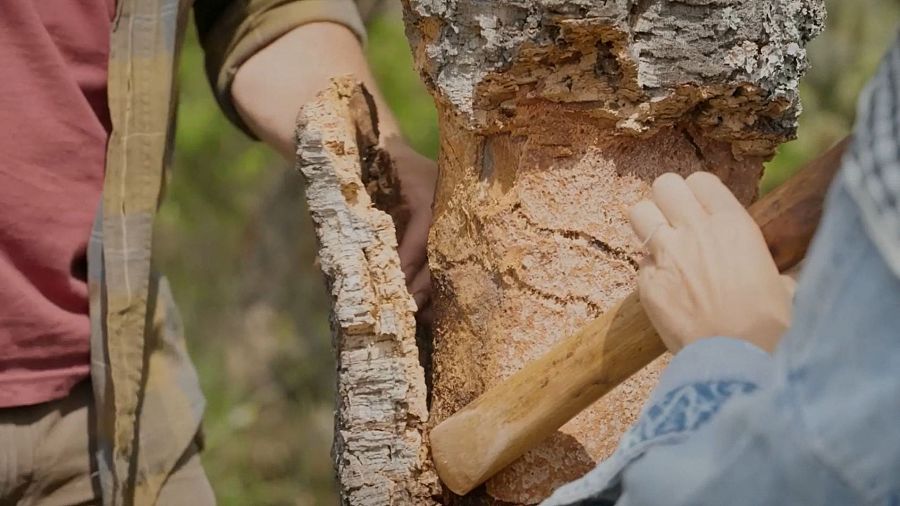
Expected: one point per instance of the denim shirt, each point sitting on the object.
(818, 423)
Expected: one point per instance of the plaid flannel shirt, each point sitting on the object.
(872, 166)
(147, 396)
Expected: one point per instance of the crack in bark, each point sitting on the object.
(573, 235)
(497, 275)
(547, 296)
(638, 9)
(697, 149)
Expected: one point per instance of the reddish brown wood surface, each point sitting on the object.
(520, 412)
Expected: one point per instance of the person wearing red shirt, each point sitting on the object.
(56, 125)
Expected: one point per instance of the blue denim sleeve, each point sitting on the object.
(697, 384)
(818, 424)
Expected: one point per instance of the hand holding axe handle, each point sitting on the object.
(521, 411)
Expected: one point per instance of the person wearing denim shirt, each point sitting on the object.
(818, 421)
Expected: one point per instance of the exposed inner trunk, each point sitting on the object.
(530, 242)
(555, 116)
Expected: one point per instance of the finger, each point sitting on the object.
(648, 221)
(676, 201)
(425, 316)
(420, 287)
(412, 249)
(645, 279)
(712, 193)
(647, 287)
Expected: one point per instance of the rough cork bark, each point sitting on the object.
(555, 115)
(380, 448)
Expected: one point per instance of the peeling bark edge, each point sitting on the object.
(732, 67)
(380, 447)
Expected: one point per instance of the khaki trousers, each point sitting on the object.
(46, 458)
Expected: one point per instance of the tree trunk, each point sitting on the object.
(555, 116)
(380, 444)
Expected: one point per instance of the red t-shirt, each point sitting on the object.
(54, 125)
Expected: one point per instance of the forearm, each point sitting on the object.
(270, 88)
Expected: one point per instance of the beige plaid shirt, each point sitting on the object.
(148, 399)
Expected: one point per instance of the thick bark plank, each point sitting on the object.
(380, 446)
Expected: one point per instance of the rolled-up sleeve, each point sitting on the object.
(699, 382)
(231, 31)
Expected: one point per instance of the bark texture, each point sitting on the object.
(555, 115)
(380, 446)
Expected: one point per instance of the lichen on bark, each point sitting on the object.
(734, 66)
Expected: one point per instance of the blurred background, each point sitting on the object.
(236, 241)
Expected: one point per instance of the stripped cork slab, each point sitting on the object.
(380, 440)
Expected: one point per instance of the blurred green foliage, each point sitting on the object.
(842, 59)
(237, 244)
(392, 64)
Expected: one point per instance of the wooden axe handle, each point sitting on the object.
(521, 411)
